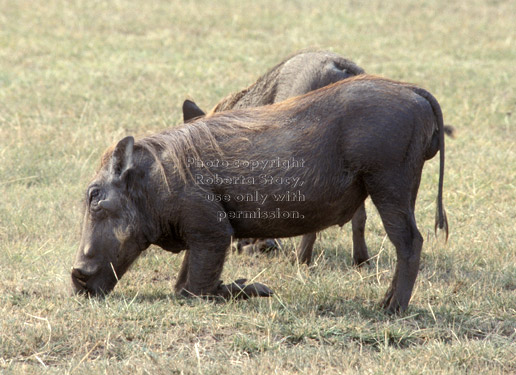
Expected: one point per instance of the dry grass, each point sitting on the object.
(76, 76)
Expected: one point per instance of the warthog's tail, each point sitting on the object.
(441, 220)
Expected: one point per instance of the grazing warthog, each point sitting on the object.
(184, 188)
(299, 74)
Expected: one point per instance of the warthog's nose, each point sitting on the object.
(79, 274)
(79, 277)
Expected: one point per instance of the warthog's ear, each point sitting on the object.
(191, 111)
(122, 157)
(121, 164)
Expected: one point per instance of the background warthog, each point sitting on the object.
(358, 137)
(299, 74)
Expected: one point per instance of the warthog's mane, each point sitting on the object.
(208, 138)
(171, 148)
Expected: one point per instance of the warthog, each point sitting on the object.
(183, 188)
(299, 74)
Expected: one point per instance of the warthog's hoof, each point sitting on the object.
(266, 245)
(238, 289)
(361, 262)
(263, 245)
(391, 304)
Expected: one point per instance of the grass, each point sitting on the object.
(75, 76)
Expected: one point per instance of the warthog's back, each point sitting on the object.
(365, 121)
(335, 135)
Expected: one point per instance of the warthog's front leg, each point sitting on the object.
(200, 273)
(203, 264)
(201, 269)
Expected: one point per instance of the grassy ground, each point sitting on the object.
(75, 76)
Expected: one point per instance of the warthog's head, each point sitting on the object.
(112, 231)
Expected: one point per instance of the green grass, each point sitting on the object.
(75, 76)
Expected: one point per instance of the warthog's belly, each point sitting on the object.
(291, 214)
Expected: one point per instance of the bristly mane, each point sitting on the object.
(175, 145)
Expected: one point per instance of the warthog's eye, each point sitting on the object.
(94, 197)
(94, 193)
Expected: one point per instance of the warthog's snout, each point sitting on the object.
(80, 278)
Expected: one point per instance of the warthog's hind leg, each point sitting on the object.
(305, 248)
(395, 203)
(408, 244)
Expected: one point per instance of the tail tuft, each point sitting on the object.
(441, 220)
(449, 131)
